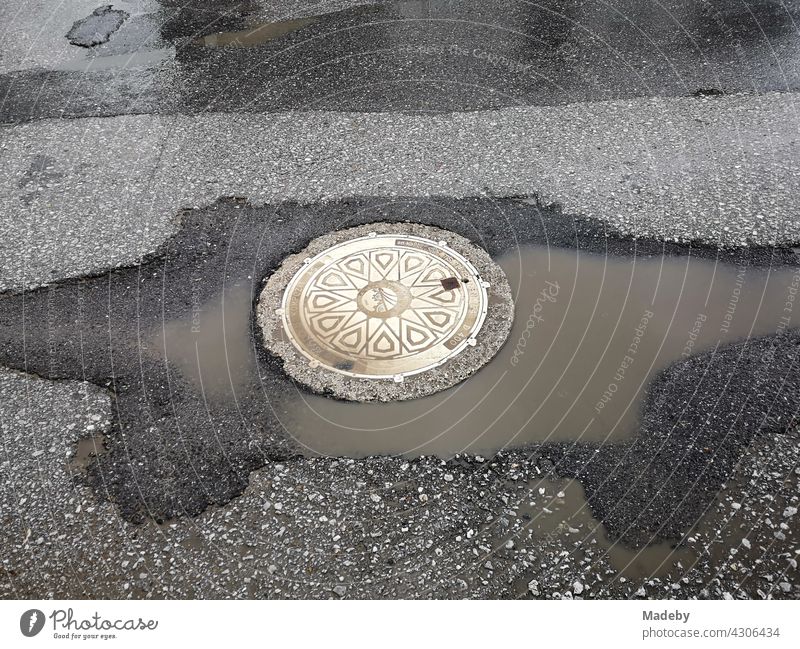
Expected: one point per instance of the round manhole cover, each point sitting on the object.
(361, 313)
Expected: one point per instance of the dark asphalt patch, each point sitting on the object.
(435, 57)
(97, 27)
(173, 452)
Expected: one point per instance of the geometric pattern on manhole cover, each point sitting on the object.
(384, 306)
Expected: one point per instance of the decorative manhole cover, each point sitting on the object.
(361, 313)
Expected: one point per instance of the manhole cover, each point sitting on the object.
(361, 313)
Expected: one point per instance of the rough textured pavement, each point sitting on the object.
(76, 197)
(426, 55)
(336, 528)
(624, 127)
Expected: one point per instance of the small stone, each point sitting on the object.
(375, 498)
(789, 512)
(577, 588)
(448, 477)
(533, 587)
(746, 543)
(340, 590)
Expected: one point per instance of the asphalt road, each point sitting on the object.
(427, 56)
(155, 171)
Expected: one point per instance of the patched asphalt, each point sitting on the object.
(382, 527)
(76, 197)
(173, 451)
(433, 56)
(631, 129)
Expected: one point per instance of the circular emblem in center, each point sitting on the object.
(386, 303)
(384, 299)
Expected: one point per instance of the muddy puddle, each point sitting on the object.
(557, 510)
(86, 450)
(556, 513)
(590, 332)
(255, 35)
(211, 346)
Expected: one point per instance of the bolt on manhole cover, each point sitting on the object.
(385, 312)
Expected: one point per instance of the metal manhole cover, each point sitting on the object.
(380, 305)
(384, 306)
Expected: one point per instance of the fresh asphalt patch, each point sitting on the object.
(174, 448)
(97, 27)
(424, 56)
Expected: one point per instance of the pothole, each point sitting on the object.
(386, 312)
(87, 449)
(256, 35)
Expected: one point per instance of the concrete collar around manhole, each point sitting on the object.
(385, 312)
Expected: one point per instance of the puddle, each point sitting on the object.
(557, 510)
(87, 449)
(590, 333)
(255, 35)
(211, 346)
(725, 538)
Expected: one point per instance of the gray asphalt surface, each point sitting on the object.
(431, 55)
(335, 528)
(174, 450)
(630, 128)
(77, 198)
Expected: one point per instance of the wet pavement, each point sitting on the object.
(118, 331)
(632, 166)
(424, 56)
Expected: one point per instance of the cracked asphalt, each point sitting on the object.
(150, 172)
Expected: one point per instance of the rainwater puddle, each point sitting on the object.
(211, 345)
(86, 451)
(590, 332)
(558, 510)
(256, 35)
